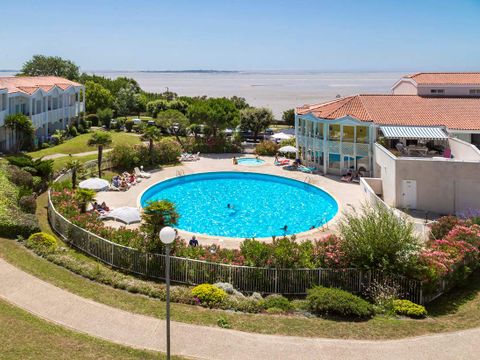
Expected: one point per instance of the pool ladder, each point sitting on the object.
(307, 180)
(180, 173)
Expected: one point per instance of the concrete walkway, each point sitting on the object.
(86, 153)
(200, 342)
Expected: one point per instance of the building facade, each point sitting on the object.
(52, 103)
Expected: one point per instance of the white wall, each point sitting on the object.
(405, 88)
(387, 172)
(463, 150)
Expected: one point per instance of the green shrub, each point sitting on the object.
(42, 242)
(332, 302)
(31, 170)
(73, 131)
(223, 322)
(45, 145)
(93, 118)
(28, 203)
(410, 309)
(17, 223)
(209, 295)
(374, 237)
(266, 148)
(124, 157)
(256, 253)
(19, 176)
(167, 151)
(242, 304)
(20, 161)
(129, 125)
(275, 311)
(277, 301)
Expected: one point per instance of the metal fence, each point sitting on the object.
(244, 278)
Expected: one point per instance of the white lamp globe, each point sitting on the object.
(167, 235)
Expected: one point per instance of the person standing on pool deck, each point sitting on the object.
(276, 158)
(193, 241)
(234, 160)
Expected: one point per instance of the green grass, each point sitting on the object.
(79, 144)
(60, 163)
(24, 336)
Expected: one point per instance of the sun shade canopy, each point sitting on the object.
(413, 132)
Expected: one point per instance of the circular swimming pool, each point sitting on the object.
(250, 161)
(244, 205)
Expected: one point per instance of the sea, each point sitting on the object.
(277, 90)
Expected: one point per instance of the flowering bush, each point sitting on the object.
(410, 309)
(209, 295)
(442, 226)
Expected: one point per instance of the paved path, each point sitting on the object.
(200, 342)
(58, 155)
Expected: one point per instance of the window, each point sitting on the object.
(362, 134)
(334, 132)
(348, 133)
(474, 91)
(437, 91)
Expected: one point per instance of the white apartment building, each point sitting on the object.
(51, 102)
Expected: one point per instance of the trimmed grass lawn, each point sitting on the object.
(61, 162)
(25, 336)
(79, 144)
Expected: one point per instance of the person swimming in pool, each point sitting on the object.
(285, 229)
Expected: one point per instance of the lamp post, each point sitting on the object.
(167, 235)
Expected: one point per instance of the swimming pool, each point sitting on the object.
(250, 161)
(260, 205)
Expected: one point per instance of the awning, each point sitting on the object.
(413, 132)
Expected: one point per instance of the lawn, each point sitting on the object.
(25, 336)
(78, 144)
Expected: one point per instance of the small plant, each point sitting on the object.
(223, 322)
(208, 295)
(410, 309)
(338, 303)
(42, 242)
(277, 301)
(275, 311)
(266, 148)
(382, 295)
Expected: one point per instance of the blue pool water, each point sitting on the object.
(250, 161)
(261, 205)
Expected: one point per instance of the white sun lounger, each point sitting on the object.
(142, 174)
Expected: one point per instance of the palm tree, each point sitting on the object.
(100, 140)
(151, 134)
(84, 196)
(75, 167)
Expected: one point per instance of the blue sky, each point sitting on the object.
(340, 35)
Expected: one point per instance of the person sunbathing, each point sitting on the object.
(104, 206)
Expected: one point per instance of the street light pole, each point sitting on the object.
(167, 236)
(167, 281)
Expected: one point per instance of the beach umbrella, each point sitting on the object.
(96, 184)
(125, 214)
(281, 136)
(288, 149)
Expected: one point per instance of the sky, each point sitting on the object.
(334, 35)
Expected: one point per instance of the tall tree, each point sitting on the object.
(151, 134)
(105, 117)
(174, 121)
(41, 65)
(289, 117)
(216, 113)
(100, 140)
(97, 97)
(22, 128)
(127, 101)
(255, 120)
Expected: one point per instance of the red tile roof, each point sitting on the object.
(413, 110)
(470, 78)
(29, 84)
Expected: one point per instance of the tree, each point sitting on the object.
(83, 197)
(75, 167)
(156, 215)
(100, 140)
(41, 65)
(216, 113)
(151, 134)
(105, 116)
(23, 130)
(240, 102)
(174, 121)
(255, 120)
(97, 97)
(289, 117)
(129, 101)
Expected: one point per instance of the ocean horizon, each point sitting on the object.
(278, 90)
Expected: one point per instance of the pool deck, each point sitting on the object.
(346, 194)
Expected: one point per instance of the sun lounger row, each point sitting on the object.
(190, 157)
